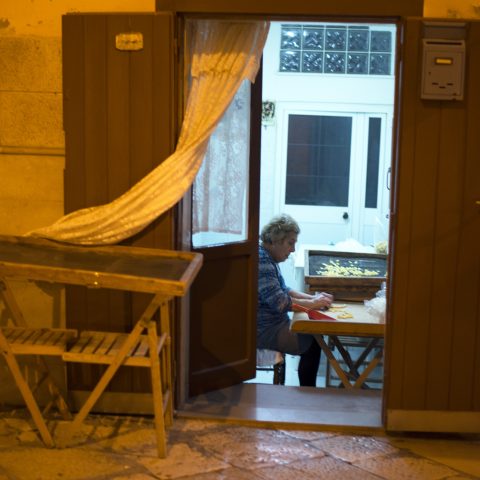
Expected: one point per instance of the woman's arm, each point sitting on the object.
(317, 301)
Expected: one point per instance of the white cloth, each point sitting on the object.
(224, 53)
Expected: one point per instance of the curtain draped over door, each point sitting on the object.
(223, 54)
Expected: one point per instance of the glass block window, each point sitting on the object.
(336, 49)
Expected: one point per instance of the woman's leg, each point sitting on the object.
(308, 365)
(304, 345)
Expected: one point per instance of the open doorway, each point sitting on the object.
(327, 112)
(223, 297)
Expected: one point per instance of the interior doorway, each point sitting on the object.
(364, 127)
(328, 92)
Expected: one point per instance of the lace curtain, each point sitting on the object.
(219, 191)
(223, 54)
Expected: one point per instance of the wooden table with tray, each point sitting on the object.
(359, 323)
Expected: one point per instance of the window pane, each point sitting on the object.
(334, 62)
(289, 61)
(373, 159)
(318, 160)
(381, 41)
(291, 37)
(336, 38)
(220, 190)
(312, 62)
(357, 63)
(380, 64)
(358, 40)
(313, 38)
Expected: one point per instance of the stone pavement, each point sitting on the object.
(123, 447)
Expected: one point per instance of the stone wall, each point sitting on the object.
(32, 157)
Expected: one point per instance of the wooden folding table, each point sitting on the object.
(165, 274)
(360, 324)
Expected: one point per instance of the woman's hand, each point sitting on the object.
(321, 300)
(315, 302)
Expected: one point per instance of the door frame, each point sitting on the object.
(343, 13)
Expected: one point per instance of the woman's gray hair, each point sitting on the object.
(278, 228)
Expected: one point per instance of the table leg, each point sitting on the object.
(333, 361)
(25, 391)
(157, 391)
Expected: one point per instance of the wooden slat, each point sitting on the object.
(95, 339)
(81, 343)
(107, 343)
(142, 349)
(106, 356)
(39, 341)
(49, 337)
(117, 345)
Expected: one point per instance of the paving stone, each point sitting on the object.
(139, 442)
(405, 467)
(134, 476)
(29, 438)
(326, 468)
(352, 448)
(48, 464)
(8, 441)
(249, 448)
(230, 473)
(18, 424)
(308, 435)
(182, 461)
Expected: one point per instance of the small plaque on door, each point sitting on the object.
(129, 41)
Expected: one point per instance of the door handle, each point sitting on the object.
(345, 215)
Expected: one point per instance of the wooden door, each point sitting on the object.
(119, 113)
(223, 304)
(433, 337)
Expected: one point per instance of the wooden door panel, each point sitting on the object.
(221, 330)
(432, 337)
(119, 125)
(222, 350)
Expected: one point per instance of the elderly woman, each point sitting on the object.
(278, 239)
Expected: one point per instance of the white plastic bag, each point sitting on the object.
(378, 305)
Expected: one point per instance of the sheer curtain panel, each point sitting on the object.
(224, 54)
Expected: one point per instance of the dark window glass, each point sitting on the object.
(318, 160)
(380, 41)
(373, 161)
(379, 64)
(358, 40)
